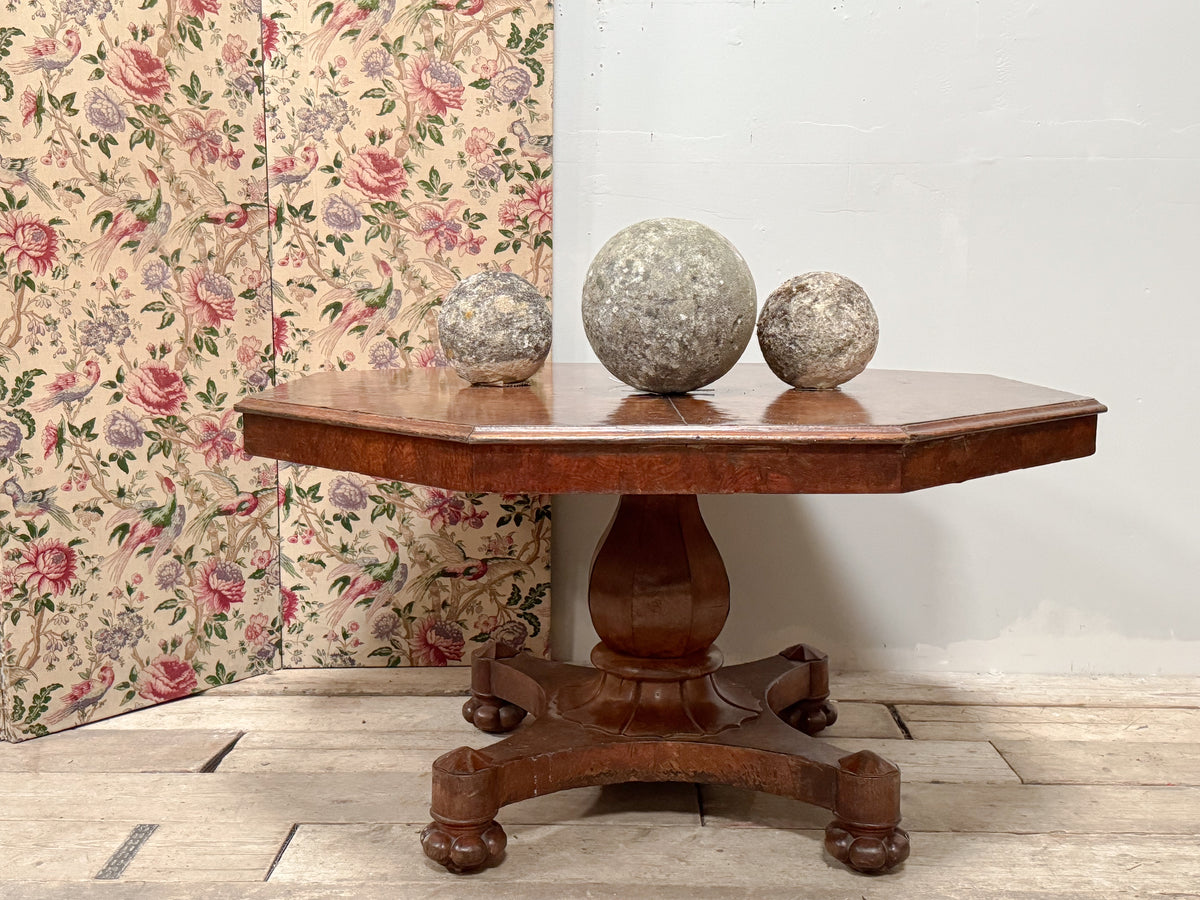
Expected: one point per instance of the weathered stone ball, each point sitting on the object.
(495, 328)
(668, 305)
(818, 330)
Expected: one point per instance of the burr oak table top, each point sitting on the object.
(575, 429)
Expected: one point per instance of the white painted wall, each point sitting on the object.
(1017, 186)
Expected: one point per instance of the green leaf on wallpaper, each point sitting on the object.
(537, 69)
(481, 83)
(535, 624)
(6, 37)
(6, 85)
(373, 94)
(536, 39)
(22, 388)
(387, 107)
(514, 37)
(324, 10)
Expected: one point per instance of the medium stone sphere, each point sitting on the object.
(668, 305)
(495, 328)
(818, 330)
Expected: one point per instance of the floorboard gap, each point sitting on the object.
(891, 707)
(120, 860)
(219, 756)
(700, 802)
(282, 850)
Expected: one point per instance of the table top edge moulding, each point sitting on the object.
(573, 429)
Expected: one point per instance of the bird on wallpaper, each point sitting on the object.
(142, 220)
(230, 502)
(50, 54)
(69, 387)
(367, 16)
(31, 504)
(233, 216)
(414, 12)
(370, 577)
(373, 308)
(19, 171)
(460, 567)
(83, 696)
(535, 146)
(157, 526)
(293, 169)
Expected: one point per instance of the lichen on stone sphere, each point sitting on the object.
(495, 328)
(668, 305)
(818, 330)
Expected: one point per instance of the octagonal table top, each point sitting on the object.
(575, 428)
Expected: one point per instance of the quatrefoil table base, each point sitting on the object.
(766, 753)
(658, 585)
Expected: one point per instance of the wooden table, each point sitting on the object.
(658, 705)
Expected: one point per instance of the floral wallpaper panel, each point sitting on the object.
(147, 195)
(138, 543)
(409, 148)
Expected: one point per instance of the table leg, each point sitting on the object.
(658, 706)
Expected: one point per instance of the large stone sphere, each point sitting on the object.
(495, 328)
(668, 305)
(818, 330)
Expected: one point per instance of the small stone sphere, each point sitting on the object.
(668, 305)
(818, 330)
(495, 328)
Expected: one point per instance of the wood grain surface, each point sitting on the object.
(575, 429)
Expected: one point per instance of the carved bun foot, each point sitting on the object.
(871, 852)
(491, 714)
(464, 849)
(811, 716)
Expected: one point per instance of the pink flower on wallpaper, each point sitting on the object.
(434, 85)
(156, 388)
(49, 439)
(479, 144)
(233, 51)
(431, 357)
(279, 333)
(439, 228)
(47, 566)
(138, 70)
(218, 439)
(256, 629)
(538, 204)
(270, 37)
(376, 173)
(248, 351)
(219, 584)
(202, 138)
(446, 508)
(29, 244)
(29, 106)
(472, 243)
(207, 297)
(443, 508)
(509, 213)
(166, 678)
(290, 605)
(437, 643)
(198, 8)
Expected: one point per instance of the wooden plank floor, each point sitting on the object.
(315, 783)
